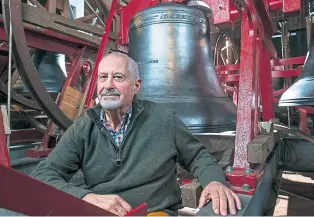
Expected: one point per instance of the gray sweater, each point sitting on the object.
(143, 169)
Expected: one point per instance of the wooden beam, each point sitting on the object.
(52, 6)
(35, 2)
(30, 14)
(88, 17)
(5, 117)
(260, 148)
(62, 25)
(65, 12)
(101, 6)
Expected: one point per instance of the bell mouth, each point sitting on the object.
(301, 93)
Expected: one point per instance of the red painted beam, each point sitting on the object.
(275, 5)
(308, 109)
(229, 67)
(4, 154)
(287, 73)
(279, 92)
(230, 78)
(290, 6)
(292, 61)
(247, 93)
(266, 90)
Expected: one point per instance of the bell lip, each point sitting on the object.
(297, 102)
(285, 100)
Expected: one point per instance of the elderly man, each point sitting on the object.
(128, 150)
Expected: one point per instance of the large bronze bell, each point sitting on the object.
(51, 69)
(171, 44)
(301, 93)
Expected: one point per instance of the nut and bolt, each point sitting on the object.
(246, 187)
(248, 171)
(229, 169)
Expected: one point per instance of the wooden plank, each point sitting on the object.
(101, 6)
(260, 147)
(75, 24)
(89, 17)
(36, 17)
(35, 2)
(69, 110)
(6, 123)
(72, 97)
(62, 25)
(52, 5)
(73, 92)
(65, 11)
(61, 5)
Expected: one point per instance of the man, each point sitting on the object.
(128, 150)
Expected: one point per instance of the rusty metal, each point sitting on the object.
(26, 67)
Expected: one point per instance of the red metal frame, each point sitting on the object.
(247, 95)
(244, 181)
(4, 154)
(304, 111)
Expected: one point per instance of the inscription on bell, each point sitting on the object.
(167, 16)
(147, 62)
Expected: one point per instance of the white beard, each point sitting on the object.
(110, 104)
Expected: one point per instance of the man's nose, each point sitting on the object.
(109, 83)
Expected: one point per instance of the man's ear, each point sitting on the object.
(137, 85)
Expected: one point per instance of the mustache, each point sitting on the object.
(110, 92)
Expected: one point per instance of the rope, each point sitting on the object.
(9, 76)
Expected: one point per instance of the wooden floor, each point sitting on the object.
(296, 195)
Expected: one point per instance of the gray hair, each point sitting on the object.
(132, 65)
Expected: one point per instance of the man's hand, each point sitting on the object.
(111, 203)
(222, 197)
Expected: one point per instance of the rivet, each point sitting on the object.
(229, 169)
(246, 187)
(248, 171)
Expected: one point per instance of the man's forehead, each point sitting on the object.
(114, 59)
(111, 65)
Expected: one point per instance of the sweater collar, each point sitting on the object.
(94, 112)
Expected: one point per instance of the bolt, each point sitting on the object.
(246, 187)
(229, 169)
(248, 171)
(220, 7)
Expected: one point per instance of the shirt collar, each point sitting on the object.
(125, 116)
